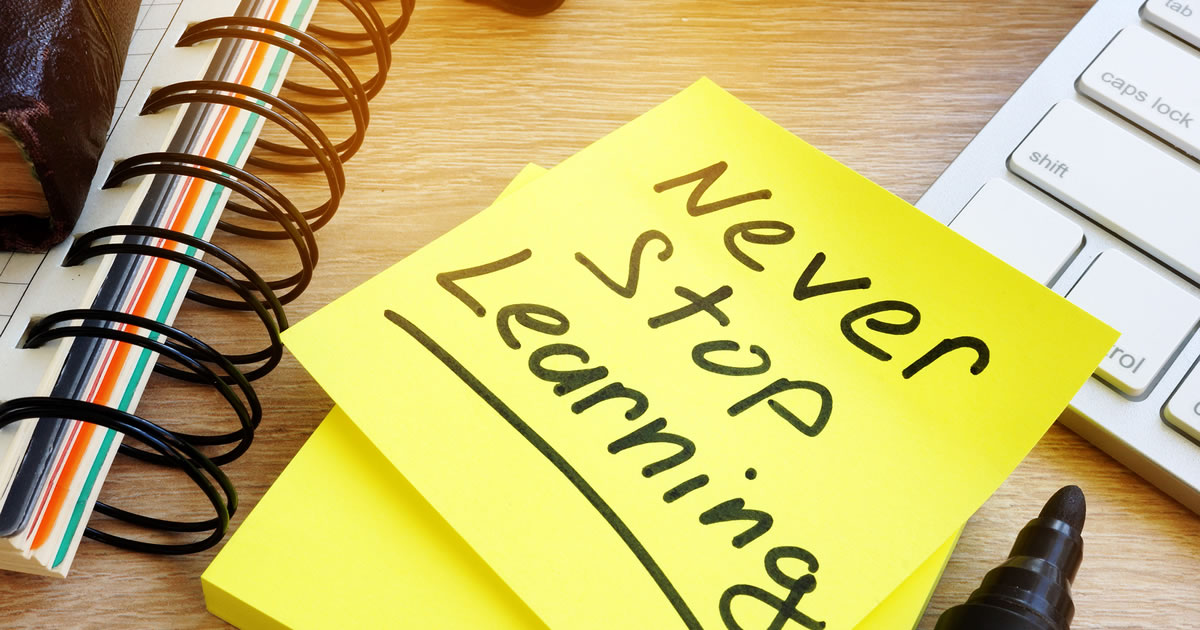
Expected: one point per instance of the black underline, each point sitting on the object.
(555, 458)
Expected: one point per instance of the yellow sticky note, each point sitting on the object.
(353, 561)
(703, 376)
(341, 540)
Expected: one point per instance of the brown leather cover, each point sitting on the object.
(60, 67)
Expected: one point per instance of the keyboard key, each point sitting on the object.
(1153, 316)
(1138, 76)
(1120, 178)
(1020, 230)
(1183, 409)
(1181, 19)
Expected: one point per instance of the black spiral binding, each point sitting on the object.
(190, 359)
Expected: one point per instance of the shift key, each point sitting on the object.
(1153, 315)
(1142, 190)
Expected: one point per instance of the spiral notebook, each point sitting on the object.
(82, 327)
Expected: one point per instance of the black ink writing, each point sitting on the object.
(702, 350)
(524, 314)
(449, 280)
(982, 355)
(610, 392)
(782, 385)
(697, 304)
(735, 510)
(783, 233)
(556, 459)
(805, 290)
(695, 483)
(568, 380)
(705, 177)
(652, 432)
(901, 328)
(635, 263)
(785, 609)
(805, 405)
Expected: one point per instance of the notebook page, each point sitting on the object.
(180, 204)
(17, 270)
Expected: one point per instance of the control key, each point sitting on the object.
(1153, 316)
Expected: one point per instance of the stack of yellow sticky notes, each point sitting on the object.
(699, 375)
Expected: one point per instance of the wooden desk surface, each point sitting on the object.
(893, 88)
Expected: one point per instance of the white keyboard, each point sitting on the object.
(1088, 180)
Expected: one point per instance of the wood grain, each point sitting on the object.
(893, 88)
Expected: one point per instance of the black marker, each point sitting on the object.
(1032, 590)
